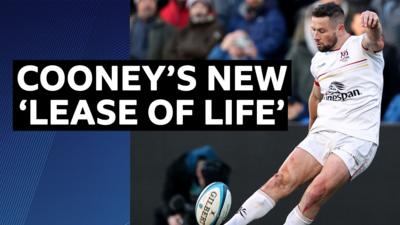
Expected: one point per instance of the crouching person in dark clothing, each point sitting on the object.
(185, 179)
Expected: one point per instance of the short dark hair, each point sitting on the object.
(331, 10)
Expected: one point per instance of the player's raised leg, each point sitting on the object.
(333, 176)
(298, 168)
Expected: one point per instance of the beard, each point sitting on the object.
(329, 46)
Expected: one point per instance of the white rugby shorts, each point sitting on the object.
(356, 153)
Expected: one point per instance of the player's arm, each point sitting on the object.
(373, 40)
(315, 98)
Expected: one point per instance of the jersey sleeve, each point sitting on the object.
(312, 67)
(365, 49)
(375, 57)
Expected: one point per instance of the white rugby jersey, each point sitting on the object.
(351, 81)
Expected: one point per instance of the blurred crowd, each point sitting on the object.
(259, 30)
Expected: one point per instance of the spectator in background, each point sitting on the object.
(303, 49)
(355, 6)
(185, 179)
(175, 13)
(225, 9)
(391, 71)
(389, 12)
(264, 23)
(235, 46)
(392, 114)
(162, 3)
(148, 32)
(290, 10)
(297, 110)
(197, 39)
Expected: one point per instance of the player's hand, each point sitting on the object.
(369, 19)
(175, 220)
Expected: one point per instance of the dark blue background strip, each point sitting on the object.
(69, 178)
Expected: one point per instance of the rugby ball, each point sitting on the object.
(213, 204)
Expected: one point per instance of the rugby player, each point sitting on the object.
(344, 108)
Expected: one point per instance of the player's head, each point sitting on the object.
(327, 24)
